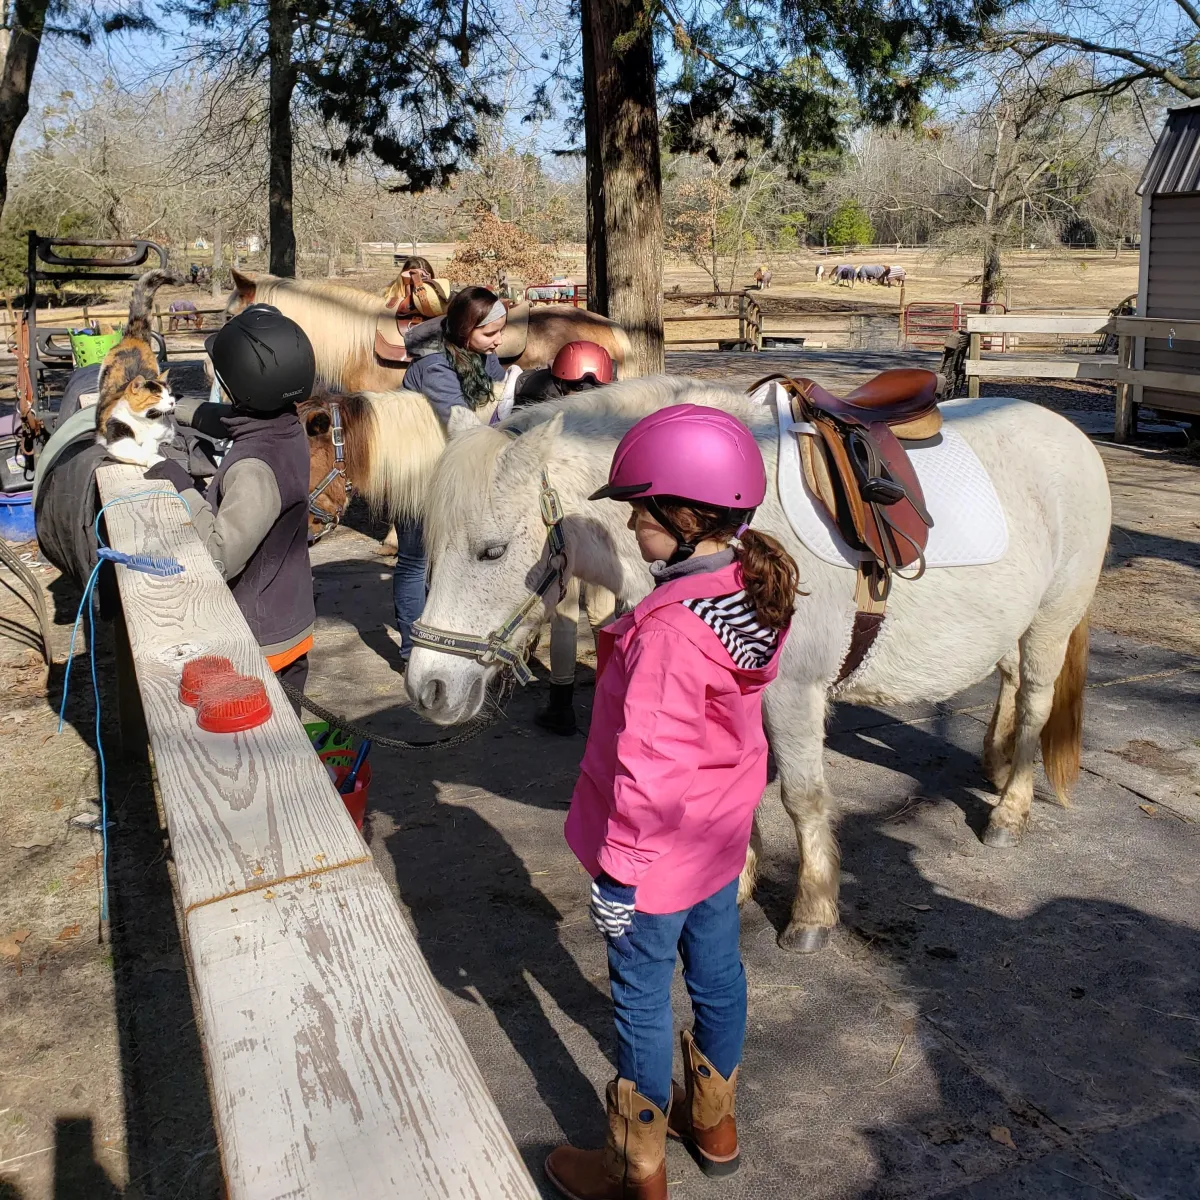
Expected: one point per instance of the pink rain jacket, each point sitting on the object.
(676, 759)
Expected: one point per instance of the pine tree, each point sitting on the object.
(392, 80)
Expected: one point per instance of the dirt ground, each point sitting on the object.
(984, 1026)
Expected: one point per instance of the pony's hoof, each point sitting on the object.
(804, 939)
(1000, 838)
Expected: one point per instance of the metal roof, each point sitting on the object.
(1175, 164)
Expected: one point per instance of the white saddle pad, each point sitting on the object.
(969, 528)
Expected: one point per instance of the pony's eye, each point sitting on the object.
(493, 553)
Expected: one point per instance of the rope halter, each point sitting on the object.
(499, 647)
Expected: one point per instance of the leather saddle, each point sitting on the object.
(855, 463)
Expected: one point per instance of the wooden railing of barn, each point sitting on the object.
(335, 1069)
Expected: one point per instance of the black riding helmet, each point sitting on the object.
(263, 360)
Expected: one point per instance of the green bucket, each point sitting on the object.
(89, 348)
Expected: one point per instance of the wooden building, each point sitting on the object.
(1169, 274)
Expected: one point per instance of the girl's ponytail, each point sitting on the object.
(770, 576)
(769, 573)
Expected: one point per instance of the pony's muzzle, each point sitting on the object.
(442, 690)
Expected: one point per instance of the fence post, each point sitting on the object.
(742, 315)
(973, 355)
(1123, 420)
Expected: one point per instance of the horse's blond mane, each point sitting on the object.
(406, 440)
(340, 321)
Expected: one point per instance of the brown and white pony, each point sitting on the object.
(391, 441)
(341, 321)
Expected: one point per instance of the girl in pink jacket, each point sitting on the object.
(676, 762)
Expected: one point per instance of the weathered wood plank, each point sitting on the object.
(1166, 381)
(243, 809)
(1157, 327)
(1098, 367)
(338, 1071)
(1124, 418)
(1005, 323)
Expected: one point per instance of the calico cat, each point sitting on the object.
(133, 413)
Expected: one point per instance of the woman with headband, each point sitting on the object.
(460, 372)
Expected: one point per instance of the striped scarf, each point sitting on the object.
(732, 618)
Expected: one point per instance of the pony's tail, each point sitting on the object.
(1062, 735)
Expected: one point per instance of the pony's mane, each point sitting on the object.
(467, 466)
(611, 410)
(340, 321)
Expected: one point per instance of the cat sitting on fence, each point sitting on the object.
(133, 413)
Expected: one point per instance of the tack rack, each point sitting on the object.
(37, 348)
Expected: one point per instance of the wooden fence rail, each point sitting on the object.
(1118, 368)
(334, 1067)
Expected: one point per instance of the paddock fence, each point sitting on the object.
(1171, 391)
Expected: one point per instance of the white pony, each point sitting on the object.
(1025, 614)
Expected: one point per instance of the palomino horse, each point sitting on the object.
(341, 323)
(1026, 613)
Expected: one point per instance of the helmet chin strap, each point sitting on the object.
(683, 548)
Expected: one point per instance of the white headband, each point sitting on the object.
(494, 314)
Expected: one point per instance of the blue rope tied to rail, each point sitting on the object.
(147, 564)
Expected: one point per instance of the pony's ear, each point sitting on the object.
(531, 451)
(461, 420)
(244, 285)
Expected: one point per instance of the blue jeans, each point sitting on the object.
(408, 583)
(641, 966)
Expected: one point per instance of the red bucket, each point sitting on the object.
(355, 801)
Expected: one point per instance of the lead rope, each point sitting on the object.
(496, 712)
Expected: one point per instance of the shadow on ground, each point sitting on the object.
(170, 1142)
(984, 1026)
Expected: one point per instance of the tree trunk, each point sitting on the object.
(992, 276)
(218, 256)
(597, 248)
(24, 41)
(629, 186)
(282, 231)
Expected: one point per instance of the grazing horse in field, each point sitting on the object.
(820, 272)
(1025, 613)
(341, 323)
(844, 273)
(872, 274)
(893, 275)
(183, 312)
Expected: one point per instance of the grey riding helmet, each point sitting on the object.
(263, 360)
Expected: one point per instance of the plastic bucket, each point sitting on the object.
(336, 741)
(355, 801)
(16, 516)
(89, 348)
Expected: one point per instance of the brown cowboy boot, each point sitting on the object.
(702, 1111)
(633, 1163)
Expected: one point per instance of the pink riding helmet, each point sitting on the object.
(695, 453)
